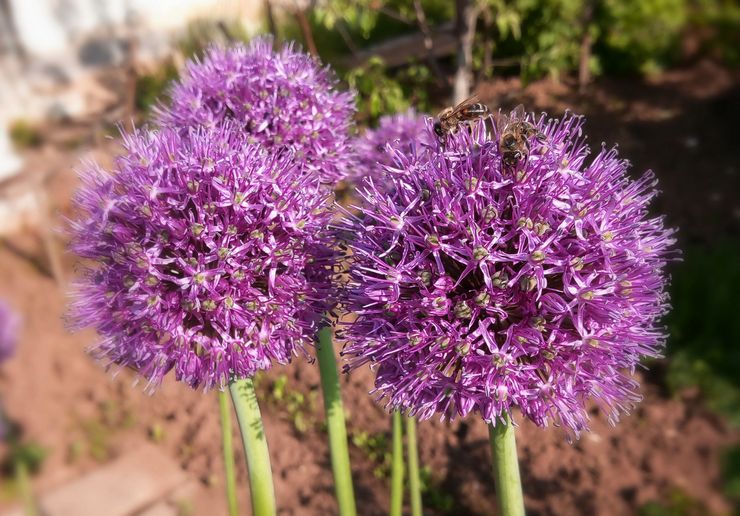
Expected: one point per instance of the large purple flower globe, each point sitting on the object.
(281, 99)
(205, 254)
(480, 286)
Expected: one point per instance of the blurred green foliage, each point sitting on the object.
(377, 92)
(96, 433)
(533, 38)
(704, 344)
(184, 507)
(639, 35)
(341, 27)
(433, 494)
(377, 448)
(677, 503)
(97, 439)
(298, 405)
(31, 454)
(156, 433)
(551, 36)
(544, 36)
(719, 20)
(627, 36)
(151, 87)
(501, 21)
(18, 450)
(369, 22)
(506, 17)
(380, 93)
(731, 474)
(24, 135)
(358, 15)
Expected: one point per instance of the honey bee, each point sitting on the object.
(449, 119)
(515, 135)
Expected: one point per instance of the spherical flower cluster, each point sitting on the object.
(9, 323)
(405, 128)
(480, 287)
(282, 99)
(206, 255)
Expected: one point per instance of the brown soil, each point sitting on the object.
(680, 124)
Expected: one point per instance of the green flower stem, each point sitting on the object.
(228, 445)
(413, 453)
(24, 485)
(506, 468)
(255, 446)
(397, 466)
(336, 424)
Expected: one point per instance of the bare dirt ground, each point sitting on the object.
(680, 124)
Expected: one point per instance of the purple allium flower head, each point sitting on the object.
(9, 323)
(282, 99)
(207, 255)
(371, 145)
(480, 287)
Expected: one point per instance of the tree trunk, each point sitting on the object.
(584, 70)
(421, 20)
(342, 30)
(306, 32)
(488, 29)
(271, 25)
(465, 31)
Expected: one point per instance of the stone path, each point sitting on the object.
(143, 482)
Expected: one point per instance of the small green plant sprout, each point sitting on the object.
(24, 134)
(376, 448)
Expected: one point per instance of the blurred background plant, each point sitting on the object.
(703, 339)
(528, 38)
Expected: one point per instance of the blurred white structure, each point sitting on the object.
(52, 53)
(49, 49)
(10, 163)
(49, 29)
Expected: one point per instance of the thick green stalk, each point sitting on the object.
(506, 468)
(413, 453)
(335, 424)
(397, 466)
(228, 445)
(255, 447)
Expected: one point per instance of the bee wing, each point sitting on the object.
(500, 121)
(473, 99)
(519, 113)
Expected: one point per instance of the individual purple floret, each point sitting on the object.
(206, 255)
(282, 99)
(9, 323)
(405, 128)
(480, 287)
